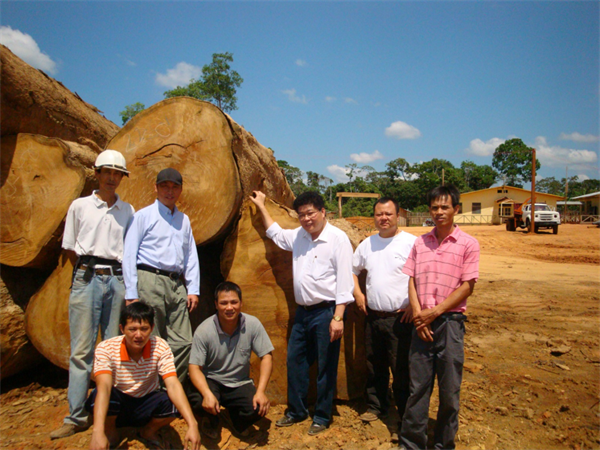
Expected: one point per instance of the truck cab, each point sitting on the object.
(545, 217)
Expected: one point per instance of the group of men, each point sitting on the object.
(137, 277)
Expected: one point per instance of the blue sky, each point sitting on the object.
(327, 84)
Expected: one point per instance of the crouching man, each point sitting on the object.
(220, 364)
(127, 392)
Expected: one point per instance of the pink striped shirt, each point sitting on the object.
(130, 377)
(439, 270)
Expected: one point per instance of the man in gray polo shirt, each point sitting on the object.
(220, 364)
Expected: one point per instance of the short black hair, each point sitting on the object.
(448, 191)
(309, 198)
(228, 286)
(139, 311)
(384, 200)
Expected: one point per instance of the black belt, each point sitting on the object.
(317, 306)
(172, 275)
(89, 263)
(459, 317)
(385, 313)
(112, 270)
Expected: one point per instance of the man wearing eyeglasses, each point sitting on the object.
(323, 286)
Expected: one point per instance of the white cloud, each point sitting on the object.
(582, 177)
(329, 99)
(480, 148)
(578, 137)
(291, 93)
(402, 130)
(25, 47)
(556, 156)
(180, 75)
(365, 158)
(339, 173)
(300, 62)
(350, 100)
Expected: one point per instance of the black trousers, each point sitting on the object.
(387, 342)
(237, 400)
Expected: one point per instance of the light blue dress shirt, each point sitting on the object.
(164, 240)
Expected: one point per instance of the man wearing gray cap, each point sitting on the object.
(160, 266)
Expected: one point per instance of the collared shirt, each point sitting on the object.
(439, 270)
(130, 377)
(322, 268)
(164, 240)
(92, 228)
(384, 258)
(224, 358)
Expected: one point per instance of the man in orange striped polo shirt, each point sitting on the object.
(127, 391)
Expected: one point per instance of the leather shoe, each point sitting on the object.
(287, 421)
(316, 428)
(66, 430)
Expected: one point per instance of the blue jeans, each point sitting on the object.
(309, 340)
(91, 305)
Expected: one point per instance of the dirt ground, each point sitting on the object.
(532, 369)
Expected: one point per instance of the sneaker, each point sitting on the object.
(66, 430)
(287, 421)
(316, 428)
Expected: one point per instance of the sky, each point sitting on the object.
(327, 84)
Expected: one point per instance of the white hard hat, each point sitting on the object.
(112, 159)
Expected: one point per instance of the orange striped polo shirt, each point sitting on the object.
(130, 377)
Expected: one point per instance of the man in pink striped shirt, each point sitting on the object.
(443, 268)
(127, 389)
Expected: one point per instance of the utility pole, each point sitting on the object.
(532, 229)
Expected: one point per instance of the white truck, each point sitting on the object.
(518, 215)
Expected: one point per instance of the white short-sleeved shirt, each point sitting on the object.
(322, 268)
(384, 258)
(92, 228)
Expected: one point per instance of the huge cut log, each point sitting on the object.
(47, 315)
(220, 162)
(264, 273)
(33, 102)
(195, 138)
(40, 177)
(16, 351)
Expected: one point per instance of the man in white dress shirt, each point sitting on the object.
(323, 287)
(389, 318)
(93, 239)
(160, 266)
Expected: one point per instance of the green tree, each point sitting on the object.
(550, 185)
(293, 176)
(477, 177)
(512, 160)
(130, 111)
(218, 84)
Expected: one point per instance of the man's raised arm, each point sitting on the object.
(259, 198)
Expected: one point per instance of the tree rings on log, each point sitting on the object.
(40, 178)
(195, 138)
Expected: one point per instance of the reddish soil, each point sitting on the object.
(532, 371)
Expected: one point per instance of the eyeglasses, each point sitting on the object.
(309, 215)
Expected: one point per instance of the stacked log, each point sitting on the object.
(50, 138)
(221, 164)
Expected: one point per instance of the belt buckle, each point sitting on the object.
(174, 276)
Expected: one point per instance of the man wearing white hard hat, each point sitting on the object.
(93, 238)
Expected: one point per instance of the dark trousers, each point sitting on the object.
(387, 343)
(444, 358)
(237, 400)
(310, 341)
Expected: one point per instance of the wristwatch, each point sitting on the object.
(337, 318)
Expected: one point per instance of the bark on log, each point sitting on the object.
(33, 102)
(40, 177)
(16, 351)
(264, 273)
(47, 315)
